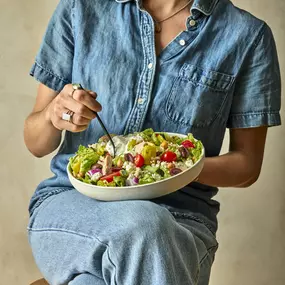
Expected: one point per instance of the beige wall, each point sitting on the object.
(252, 227)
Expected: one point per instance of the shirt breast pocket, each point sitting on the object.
(197, 96)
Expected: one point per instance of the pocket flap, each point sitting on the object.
(217, 81)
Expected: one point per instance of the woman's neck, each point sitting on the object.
(163, 7)
(170, 4)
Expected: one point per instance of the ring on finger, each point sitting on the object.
(75, 87)
(67, 116)
(70, 113)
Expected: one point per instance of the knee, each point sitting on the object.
(148, 220)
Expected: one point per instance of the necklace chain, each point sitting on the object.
(158, 22)
(163, 20)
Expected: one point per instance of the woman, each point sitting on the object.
(174, 66)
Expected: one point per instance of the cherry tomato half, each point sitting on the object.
(110, 177)
(139, 160)
(188, 144)
(168, 156)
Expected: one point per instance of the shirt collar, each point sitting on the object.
(204, 6)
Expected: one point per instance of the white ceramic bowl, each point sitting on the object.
(140, 192)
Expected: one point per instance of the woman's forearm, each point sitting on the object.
(42, 131)
(41, 137)
(230, 170)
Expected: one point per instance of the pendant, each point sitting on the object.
(157, 27)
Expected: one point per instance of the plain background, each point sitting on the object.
(252, 227)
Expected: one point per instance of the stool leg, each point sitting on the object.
(40, 282)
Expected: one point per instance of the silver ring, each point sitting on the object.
(67, 116)
(75, 87)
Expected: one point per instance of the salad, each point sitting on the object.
(141, 158)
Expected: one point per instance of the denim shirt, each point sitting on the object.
(221, 72)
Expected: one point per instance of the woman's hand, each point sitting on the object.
(82, 103)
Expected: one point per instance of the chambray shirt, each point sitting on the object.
(221, 72)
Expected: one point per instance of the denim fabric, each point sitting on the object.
(222, 71)
(83, 241)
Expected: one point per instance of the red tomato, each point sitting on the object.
(188, 144)
(110, 177)
(168, 156)
(139, 160)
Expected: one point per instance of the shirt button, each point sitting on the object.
(192, 23)
(140, 101)
(182, 42)
(150, 66)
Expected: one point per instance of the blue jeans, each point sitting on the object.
(81, 241)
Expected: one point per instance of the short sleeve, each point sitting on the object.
(257, 94)
(54, 61)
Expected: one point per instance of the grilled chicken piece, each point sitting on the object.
(107, 165)
(139, 147)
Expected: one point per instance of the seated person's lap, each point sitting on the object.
(74, 234)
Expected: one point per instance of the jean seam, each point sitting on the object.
(81, 235)
(210, 10)
(202, 260)
(33, 215)
(186, 216)
(75, 276)
(270, 119)
(39, 65)
(114, 265)
(42, 198)
(249, 114)
(65, 231)
(209, 250)
(73, 18)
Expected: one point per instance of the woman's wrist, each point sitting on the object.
(47, 113)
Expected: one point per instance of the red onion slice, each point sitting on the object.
(136, 180)
(129, 157)
(93, 171)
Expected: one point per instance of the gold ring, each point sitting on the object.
(75, 87)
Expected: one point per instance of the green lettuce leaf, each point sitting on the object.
(197, 151)
(104, 183)
(83, 161)
(120, 181)
(148, 132)
(146, 178)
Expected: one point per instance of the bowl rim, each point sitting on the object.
(140, 185)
